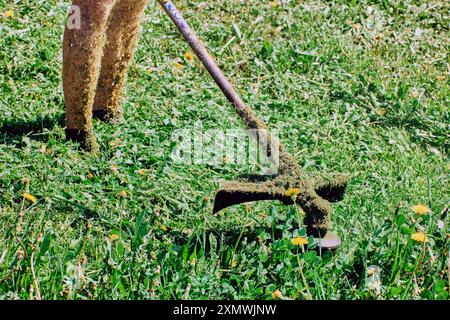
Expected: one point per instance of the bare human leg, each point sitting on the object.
(122, 36)
(82, 53)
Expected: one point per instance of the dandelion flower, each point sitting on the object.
(114, 237)
(420, 209)
(90, 175)
(299, 241)
(274, 4)
(123, 194)
(149, 71)
(277, 295)
(178, 65)
(378, 36)
(189, 56)
(29, 197)
(164, 228)
(292, 192)
(380, 112)
(419, 237)
(8, 14)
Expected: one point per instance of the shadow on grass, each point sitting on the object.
(424, 129)
(431, 136)
(11, 130)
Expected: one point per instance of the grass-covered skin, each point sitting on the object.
(357, 87)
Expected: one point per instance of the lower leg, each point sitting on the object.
(122, 35)
(82, 51)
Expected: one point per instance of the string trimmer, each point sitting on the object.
(291, 185)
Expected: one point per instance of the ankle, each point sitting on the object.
(85, 138)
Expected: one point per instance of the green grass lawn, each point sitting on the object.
(353, 86)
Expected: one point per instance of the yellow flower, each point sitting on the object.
(90, 175)
(123, 194)
(378, 36)
(8, 14)
(380, 112)
(189, 56)
(149, 71)
(292, 192)
(164, 228)
(114, 168)
(114, 237)
(277, 295)
(178, 65)
(299, 241)
(29, 197)
(274, 4)
(420, 209)
(141, 172)
(419, 237)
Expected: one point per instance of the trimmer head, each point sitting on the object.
(287, 190)
(330, 241)
(233, 193)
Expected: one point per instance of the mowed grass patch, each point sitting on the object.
(352, 87)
